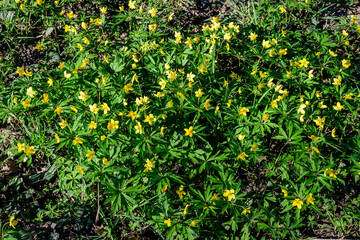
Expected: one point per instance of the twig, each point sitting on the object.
(98, 203)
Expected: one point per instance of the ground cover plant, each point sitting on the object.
(179, 120)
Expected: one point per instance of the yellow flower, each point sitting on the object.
(207, 104)
(39, 2)
(70, 14)
(30, 92)
(338, 106)
(84, 25)
(105, 161)
(189, 131)
(97, 21)
(105, 108)
(20, 71)
(321, 105)
(333, 132)
(39, 47)
(227, 37)
(121, 8)
(202, 69)
(62, 65)
(241, 137)
(314, 138)
(159, 95)
(162, 84)
(45, 98)
(168, 222)
(63, 124)
(112, 125)
(83, 96)
(50, 82)
(297, 203)
(285, 192)
(337, 81)
(66, 29)
(228, 104)
(164, 188)
(282, 10)
(171, 103)
(153, 12)
(181, 192)
(254, 147)
(189, 43)
(316, 150)
(59, 110)
(217, 108)
(138, 128)
(102, 138)
(346, 63)
(90, 155)
(215, 197)
(262, 74)
(199, 93)
(190, 77)
(243, 111)
(20, 147)
(353, 19)
(80, 170)
(320, 122)
(348, 96)
(22, 6)
(132, 4)
(310, 199)
(246, 211)
(253, 36)
(242, 156)
(274, 103)
(230, 194)
(193, 223)
(29, 150)
(80, 47)
(86, 40)
(103, 10)
(282, 52)
(170, 17)
(162, 131)
(266, 44)
(332, 173)
(181, 95)
(67, 75)
(186, 209)
(178, 37)
(150, 119)
(133, 115)
(311, 75)
(93, 108)
(77, 140)
(128, 87)
(92, 125)
(57, 138)
(303, 63)
(332, 53)
(152, 27)
(13, 222)
(73, 108)
(266, 117)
